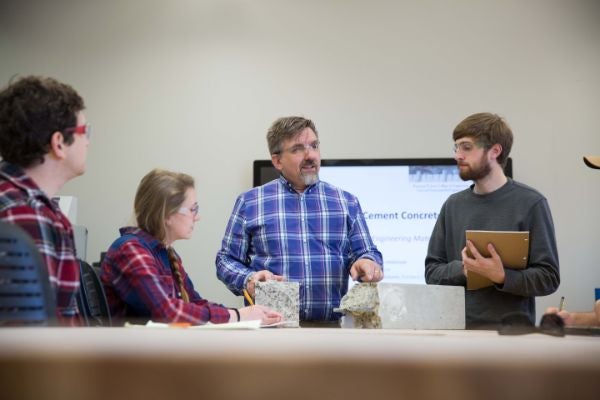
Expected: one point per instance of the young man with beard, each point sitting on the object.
(482, 143)
(298, 228)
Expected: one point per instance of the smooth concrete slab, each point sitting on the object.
(410, 306)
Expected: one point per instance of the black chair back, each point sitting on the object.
(26, 296)
(92, 300)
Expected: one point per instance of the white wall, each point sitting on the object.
(193, 85)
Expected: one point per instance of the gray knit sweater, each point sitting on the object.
(513, 207)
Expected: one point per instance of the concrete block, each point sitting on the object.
(409, 306)
(283, 297)
(403, 306)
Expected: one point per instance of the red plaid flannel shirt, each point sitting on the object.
(139, 284)
(23, 203)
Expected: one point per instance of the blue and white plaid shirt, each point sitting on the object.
(312, 237)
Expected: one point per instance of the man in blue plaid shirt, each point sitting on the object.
(298, 228)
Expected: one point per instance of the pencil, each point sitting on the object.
(179, 325)
(562, 303)
(248, 298)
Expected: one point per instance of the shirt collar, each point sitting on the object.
(288, 185)
(15, 174)
(143, 236)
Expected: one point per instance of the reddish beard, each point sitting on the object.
(477, 171)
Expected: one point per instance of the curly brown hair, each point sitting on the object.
(31, 109)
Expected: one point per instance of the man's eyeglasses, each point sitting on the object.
(81, 130)
(303, 148)
(465, 147)
(193, 210)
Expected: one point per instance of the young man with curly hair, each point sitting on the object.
(44, 141)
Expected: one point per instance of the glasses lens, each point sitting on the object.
(81, 130)
(303, 148)
(193, 210)
(463, 147)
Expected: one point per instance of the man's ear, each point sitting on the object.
(58, 145)
(495, 151)
(276, 160)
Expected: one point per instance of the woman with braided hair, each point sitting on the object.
(142, 273)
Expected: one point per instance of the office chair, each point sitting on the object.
(26, 296)
(98, 264)
(91, 299)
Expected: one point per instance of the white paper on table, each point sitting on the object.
(254, 324)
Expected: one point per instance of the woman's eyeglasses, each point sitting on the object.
(193, 210)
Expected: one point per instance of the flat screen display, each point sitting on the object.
(400, 199)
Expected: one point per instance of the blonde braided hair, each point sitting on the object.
(176, 270)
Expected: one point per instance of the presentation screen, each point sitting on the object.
(400, 199)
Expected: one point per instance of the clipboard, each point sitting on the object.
(512, 247)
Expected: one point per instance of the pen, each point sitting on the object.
(562, 303)
(248, 298)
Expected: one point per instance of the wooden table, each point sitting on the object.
(285, 363)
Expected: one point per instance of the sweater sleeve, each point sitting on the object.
(439, 270)
(541, 277)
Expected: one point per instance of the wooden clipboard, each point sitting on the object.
(512, 247)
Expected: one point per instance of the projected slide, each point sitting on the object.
(401, 205)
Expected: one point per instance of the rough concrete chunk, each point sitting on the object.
(283, 297)
(360, 306)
